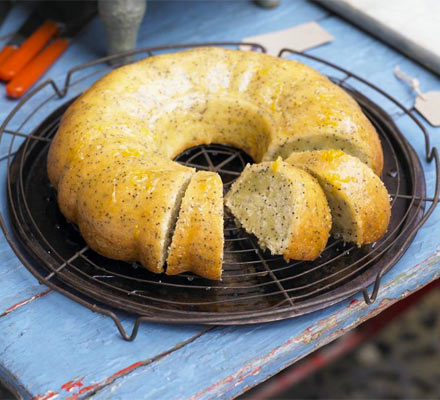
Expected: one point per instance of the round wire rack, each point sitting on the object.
(256, 287)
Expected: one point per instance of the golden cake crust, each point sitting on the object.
(136, 119)
(197, 244)
(360, 194)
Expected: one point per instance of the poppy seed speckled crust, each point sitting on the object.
(358, 199)
(284, 207)
(197, 244)
(111, 159)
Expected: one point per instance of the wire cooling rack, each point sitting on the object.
(256, 286)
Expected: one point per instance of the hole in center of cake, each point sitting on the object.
(227, 161)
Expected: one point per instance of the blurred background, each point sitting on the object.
(395, 355)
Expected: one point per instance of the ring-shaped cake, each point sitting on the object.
(111, 160)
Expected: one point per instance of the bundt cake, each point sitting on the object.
(125, 205)
(111, 159)
(284, 207)
(197, 244)
(359, 202)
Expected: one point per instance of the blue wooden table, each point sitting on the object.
(52, 347)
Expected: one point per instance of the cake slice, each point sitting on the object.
(358, 199)
(284, 207)
(197, 244)
(125, 205)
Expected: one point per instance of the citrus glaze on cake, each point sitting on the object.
(358, 199)
(111, 160)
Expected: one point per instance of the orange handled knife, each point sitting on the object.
(6, 52)
(31, 46)
(24, 34)
(37, 67)
(39, 64)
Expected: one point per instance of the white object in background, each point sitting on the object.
(412, 26)
(299, 38)
(427, 104)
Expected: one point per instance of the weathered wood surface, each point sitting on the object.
(54, 347)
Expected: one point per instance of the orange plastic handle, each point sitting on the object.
(37, 67)
(6, 52)
(27, 50)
